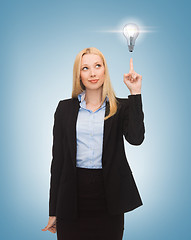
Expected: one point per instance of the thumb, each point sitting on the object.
(46, 228)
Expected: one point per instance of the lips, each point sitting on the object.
(93, 80)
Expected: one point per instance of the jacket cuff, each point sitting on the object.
(135, 98)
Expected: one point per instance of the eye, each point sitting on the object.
(98, 65)
(83, 68)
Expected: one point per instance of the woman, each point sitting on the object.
(92, 185)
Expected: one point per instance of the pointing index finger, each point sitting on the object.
(131, 65)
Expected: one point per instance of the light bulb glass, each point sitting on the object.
(131, 32)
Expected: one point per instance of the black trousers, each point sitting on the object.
(94, 222)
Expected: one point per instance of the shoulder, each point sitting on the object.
(66, 103)
(122, 101)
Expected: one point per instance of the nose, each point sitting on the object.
(92, 73)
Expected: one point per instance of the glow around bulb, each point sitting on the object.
(131, 32)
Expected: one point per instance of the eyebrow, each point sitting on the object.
(94, 63)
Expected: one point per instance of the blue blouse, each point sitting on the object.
(89, 135)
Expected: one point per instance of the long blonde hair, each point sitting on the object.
(79, 87)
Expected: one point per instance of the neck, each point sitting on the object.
(94, 96)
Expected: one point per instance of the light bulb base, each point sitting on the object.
(131, 48)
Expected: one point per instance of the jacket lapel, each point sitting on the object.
(72, 130)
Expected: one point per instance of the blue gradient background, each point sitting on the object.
(39, 41)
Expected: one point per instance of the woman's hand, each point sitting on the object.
(51, 226)
(133, 80)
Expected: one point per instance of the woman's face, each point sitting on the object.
(92, 68)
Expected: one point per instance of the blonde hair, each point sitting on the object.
(79, 87)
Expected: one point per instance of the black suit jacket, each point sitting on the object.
(120, 188)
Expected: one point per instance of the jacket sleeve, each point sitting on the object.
(57, 161)
(133, 120)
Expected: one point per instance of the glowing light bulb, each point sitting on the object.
(131, 32)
